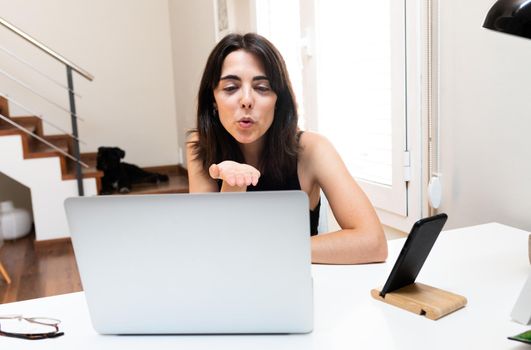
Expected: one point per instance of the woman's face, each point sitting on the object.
(244, 98)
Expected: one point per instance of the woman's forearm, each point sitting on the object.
(349, 246)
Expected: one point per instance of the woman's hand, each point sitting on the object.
(234, 174)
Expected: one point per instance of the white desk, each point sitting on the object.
(488, 264)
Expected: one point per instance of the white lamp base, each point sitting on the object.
(522, 309)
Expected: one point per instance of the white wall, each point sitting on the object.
(192, 37)
(485, 112)
(126, 45)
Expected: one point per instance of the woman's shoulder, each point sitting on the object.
(192, 136)
(316, 154)
(311, 142)
(191, 143)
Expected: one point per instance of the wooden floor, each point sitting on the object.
(38, 270)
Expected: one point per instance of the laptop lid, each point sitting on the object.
(195, 263)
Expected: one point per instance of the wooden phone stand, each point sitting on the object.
(424, 300)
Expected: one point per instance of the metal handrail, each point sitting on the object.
(20, 127)
(11, 99)
(26, 86)
(36, 70)
(46, 49)
(71, 96)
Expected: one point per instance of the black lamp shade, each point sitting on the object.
(511, 17)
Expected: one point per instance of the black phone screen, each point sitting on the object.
(414, 252)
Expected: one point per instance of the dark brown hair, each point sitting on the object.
(215, 144)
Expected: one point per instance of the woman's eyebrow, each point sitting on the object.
(235, 77)
(260, 77)
(230, 77)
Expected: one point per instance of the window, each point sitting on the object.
(359, 85)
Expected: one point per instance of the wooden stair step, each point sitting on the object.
(4, 107)
(87, 172)
(91, 171)
(89, 158)
(7, 129)
(34, 122)
(39, 149)
(29, 123)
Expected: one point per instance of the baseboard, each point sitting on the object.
(50, 243)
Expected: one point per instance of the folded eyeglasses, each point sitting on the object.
(17, 326)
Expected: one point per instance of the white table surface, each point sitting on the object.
(488, 264)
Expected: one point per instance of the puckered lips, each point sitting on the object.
(245, 122)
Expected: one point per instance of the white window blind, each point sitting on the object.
(354, 75)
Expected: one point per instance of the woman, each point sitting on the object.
(247, 139)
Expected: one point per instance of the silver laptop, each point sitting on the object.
(195, 263)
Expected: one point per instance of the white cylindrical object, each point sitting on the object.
(435, 192)
(14, 222)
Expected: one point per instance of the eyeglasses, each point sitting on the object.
(16, 326)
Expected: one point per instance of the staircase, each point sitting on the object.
(47, 173)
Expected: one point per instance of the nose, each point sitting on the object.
(246, 101)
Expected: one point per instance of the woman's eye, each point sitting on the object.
(230, 88)
(263, 88)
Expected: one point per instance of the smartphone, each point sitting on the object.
(416, 249)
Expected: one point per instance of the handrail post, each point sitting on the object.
(71, 95)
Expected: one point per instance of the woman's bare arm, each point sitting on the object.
(198, 180)
(361, 238)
